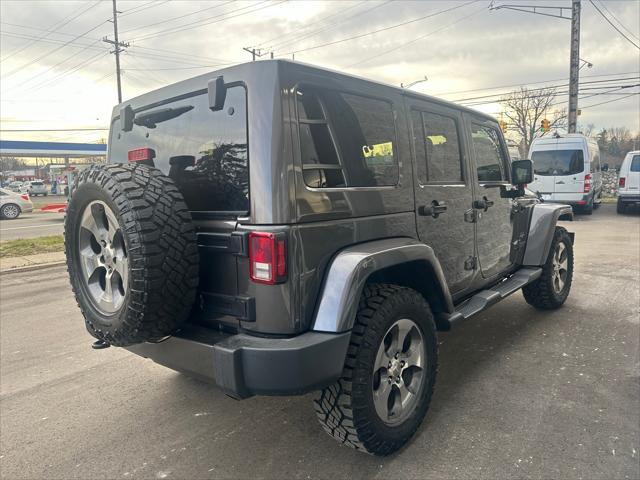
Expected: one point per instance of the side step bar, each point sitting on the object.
(485, 298)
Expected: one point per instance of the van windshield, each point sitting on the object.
(205, 152)
(557, 162)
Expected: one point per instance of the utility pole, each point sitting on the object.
(574, 56)
(118, 47)
(574, 68)
(256, 52)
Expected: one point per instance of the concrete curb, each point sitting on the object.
(30, 268)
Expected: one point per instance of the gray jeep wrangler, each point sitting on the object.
(281, 229)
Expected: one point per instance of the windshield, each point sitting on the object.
(205, 152)
(558, 162)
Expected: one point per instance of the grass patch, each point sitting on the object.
(31, 246)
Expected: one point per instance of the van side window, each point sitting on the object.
(489, 155)
(346, 140)
(437, 148)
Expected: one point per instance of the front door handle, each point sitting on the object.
(434, 210)
(483, 204)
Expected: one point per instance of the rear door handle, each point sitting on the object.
(434, 210)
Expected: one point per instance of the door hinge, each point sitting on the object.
(471, 263)
(472, 215)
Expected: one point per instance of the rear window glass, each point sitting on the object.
(37, 184)
(346, 140)
(205, 152)
(635, 164)
(557, 162)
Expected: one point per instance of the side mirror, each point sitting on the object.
(605, 167)
(521, 172)
(217, 92)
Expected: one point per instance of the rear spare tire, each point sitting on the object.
(131, 253)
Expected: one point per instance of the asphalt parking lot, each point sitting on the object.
(520, 393)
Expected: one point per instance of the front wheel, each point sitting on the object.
(551, 290)
(389, 373)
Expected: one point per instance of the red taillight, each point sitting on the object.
(621, 182)
(25, 197)
(267, 257)
(587, 183)
(141, 154)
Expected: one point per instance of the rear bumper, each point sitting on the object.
(630, 199)
(244, 365)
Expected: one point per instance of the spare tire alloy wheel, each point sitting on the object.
(105, 266)
(131, 253)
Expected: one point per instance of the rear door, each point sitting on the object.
(494, 222)
(558, 170)
(632, 182)
(443, 189)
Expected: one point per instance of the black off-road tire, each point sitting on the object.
(345, 409)
(541, 293)
(161, 247)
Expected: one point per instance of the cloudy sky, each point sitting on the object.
(56, 73)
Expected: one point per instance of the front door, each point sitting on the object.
(494, 223)
(443, 189)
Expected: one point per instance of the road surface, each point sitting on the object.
(520, 393)
(31, 225)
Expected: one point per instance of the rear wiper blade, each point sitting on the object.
(152, 118)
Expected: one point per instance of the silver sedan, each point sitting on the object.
(12, 204)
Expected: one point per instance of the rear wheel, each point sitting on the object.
(10, 211)
(551, 290)
(620, 207)
(389, 373)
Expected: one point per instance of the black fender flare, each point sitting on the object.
(351, 268)
(542, 225)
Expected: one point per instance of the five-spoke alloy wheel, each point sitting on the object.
(103, 255)
(398, 372)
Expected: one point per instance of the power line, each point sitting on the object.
(315, 23)
(176, 18)
(613, 25)
(199, 23)
(366, 34)
(421, 37)
(332, 25)
(531, 83)
(611, 101)
(617, 20)
(51, 52)
(497, 95)
(68, 19)
(142, 7)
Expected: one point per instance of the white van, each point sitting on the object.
(567, 170)
(629, 181)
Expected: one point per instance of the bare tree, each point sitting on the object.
(525, 109)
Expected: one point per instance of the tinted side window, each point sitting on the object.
(489, 156)
(346, 140)
(437, 147)
(635, 164)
